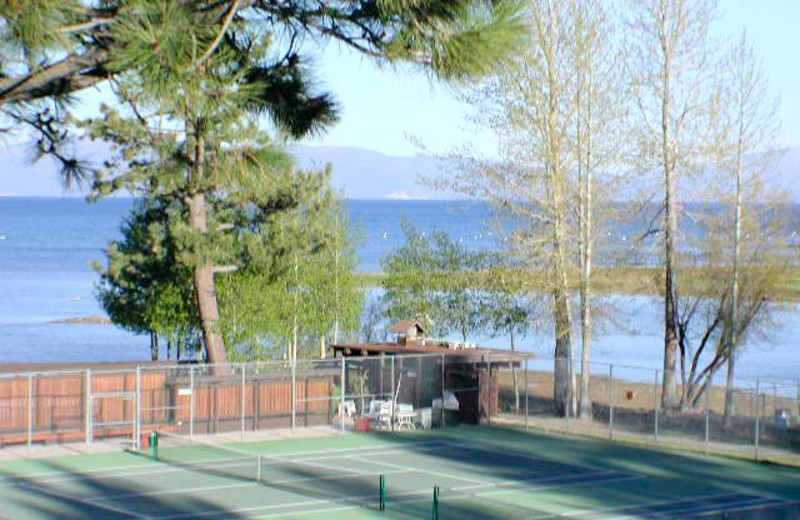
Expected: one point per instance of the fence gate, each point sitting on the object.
(113, 414)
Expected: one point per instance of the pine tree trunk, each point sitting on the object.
(206, 290)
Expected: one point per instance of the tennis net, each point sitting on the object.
(207, 457)
(310, 478)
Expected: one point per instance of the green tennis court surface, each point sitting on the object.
(481, 473)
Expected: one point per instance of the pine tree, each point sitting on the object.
(193, 74)
(54, 48)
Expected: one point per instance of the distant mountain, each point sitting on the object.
(365, 174)
(786, 174)
(358, 173)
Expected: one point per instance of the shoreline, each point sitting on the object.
(633, 281)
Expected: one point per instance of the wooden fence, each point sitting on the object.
(51, 407)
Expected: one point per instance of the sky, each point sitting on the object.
(381, 108)
(386, 109)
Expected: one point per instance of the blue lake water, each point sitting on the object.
(47, 246)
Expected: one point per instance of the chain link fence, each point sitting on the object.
(624, 403)
(394, 392)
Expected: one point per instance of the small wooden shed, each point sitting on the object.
(408, 331)
(471, 373)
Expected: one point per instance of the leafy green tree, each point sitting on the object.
(315, 292)
(54, 48)
(510, 309)
(437, 279)
(145, 288)
(142, 288)
(193, 73)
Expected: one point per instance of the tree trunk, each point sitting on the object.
(733, 321)
(669, 395)
(563, 382)
(562, 387)
(586, 341)
(585, 195)
(205, 289)
(154, 353)
(514, 374)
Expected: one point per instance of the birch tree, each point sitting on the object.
(599, 152)
(554, 113)
(528, 107)
(753, 124)
(671, 68)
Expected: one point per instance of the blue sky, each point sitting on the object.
(381, 108)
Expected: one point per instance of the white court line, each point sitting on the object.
(71, 498)
(419, 470)
(753, 502)
(157, 468)
(395, 498)
(266, 483)
(393, 447)
(653, 503)
(535, 480)
(528, 456)
(426, 498)
(753, 507)
(152, 467)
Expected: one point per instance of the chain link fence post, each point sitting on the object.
(611, 401)
(656, 406)
(88, 406)
(489, 388)
(341, 399)
(393, 400)
(707, 402)
(293, 393)
(191, 402)
(244, 371)
(526, 393)
(758, 417)
(30, 412)
(137, 420)
(442, 423)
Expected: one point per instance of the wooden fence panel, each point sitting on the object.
(60, 399)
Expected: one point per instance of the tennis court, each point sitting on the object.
(480, 473)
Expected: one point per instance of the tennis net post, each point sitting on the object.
(435, 509)
(382, 499)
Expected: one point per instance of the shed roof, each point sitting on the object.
(467, 355)
(404, 325)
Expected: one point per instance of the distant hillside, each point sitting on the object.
(358, 173)
(787, 173)
(365, 174)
